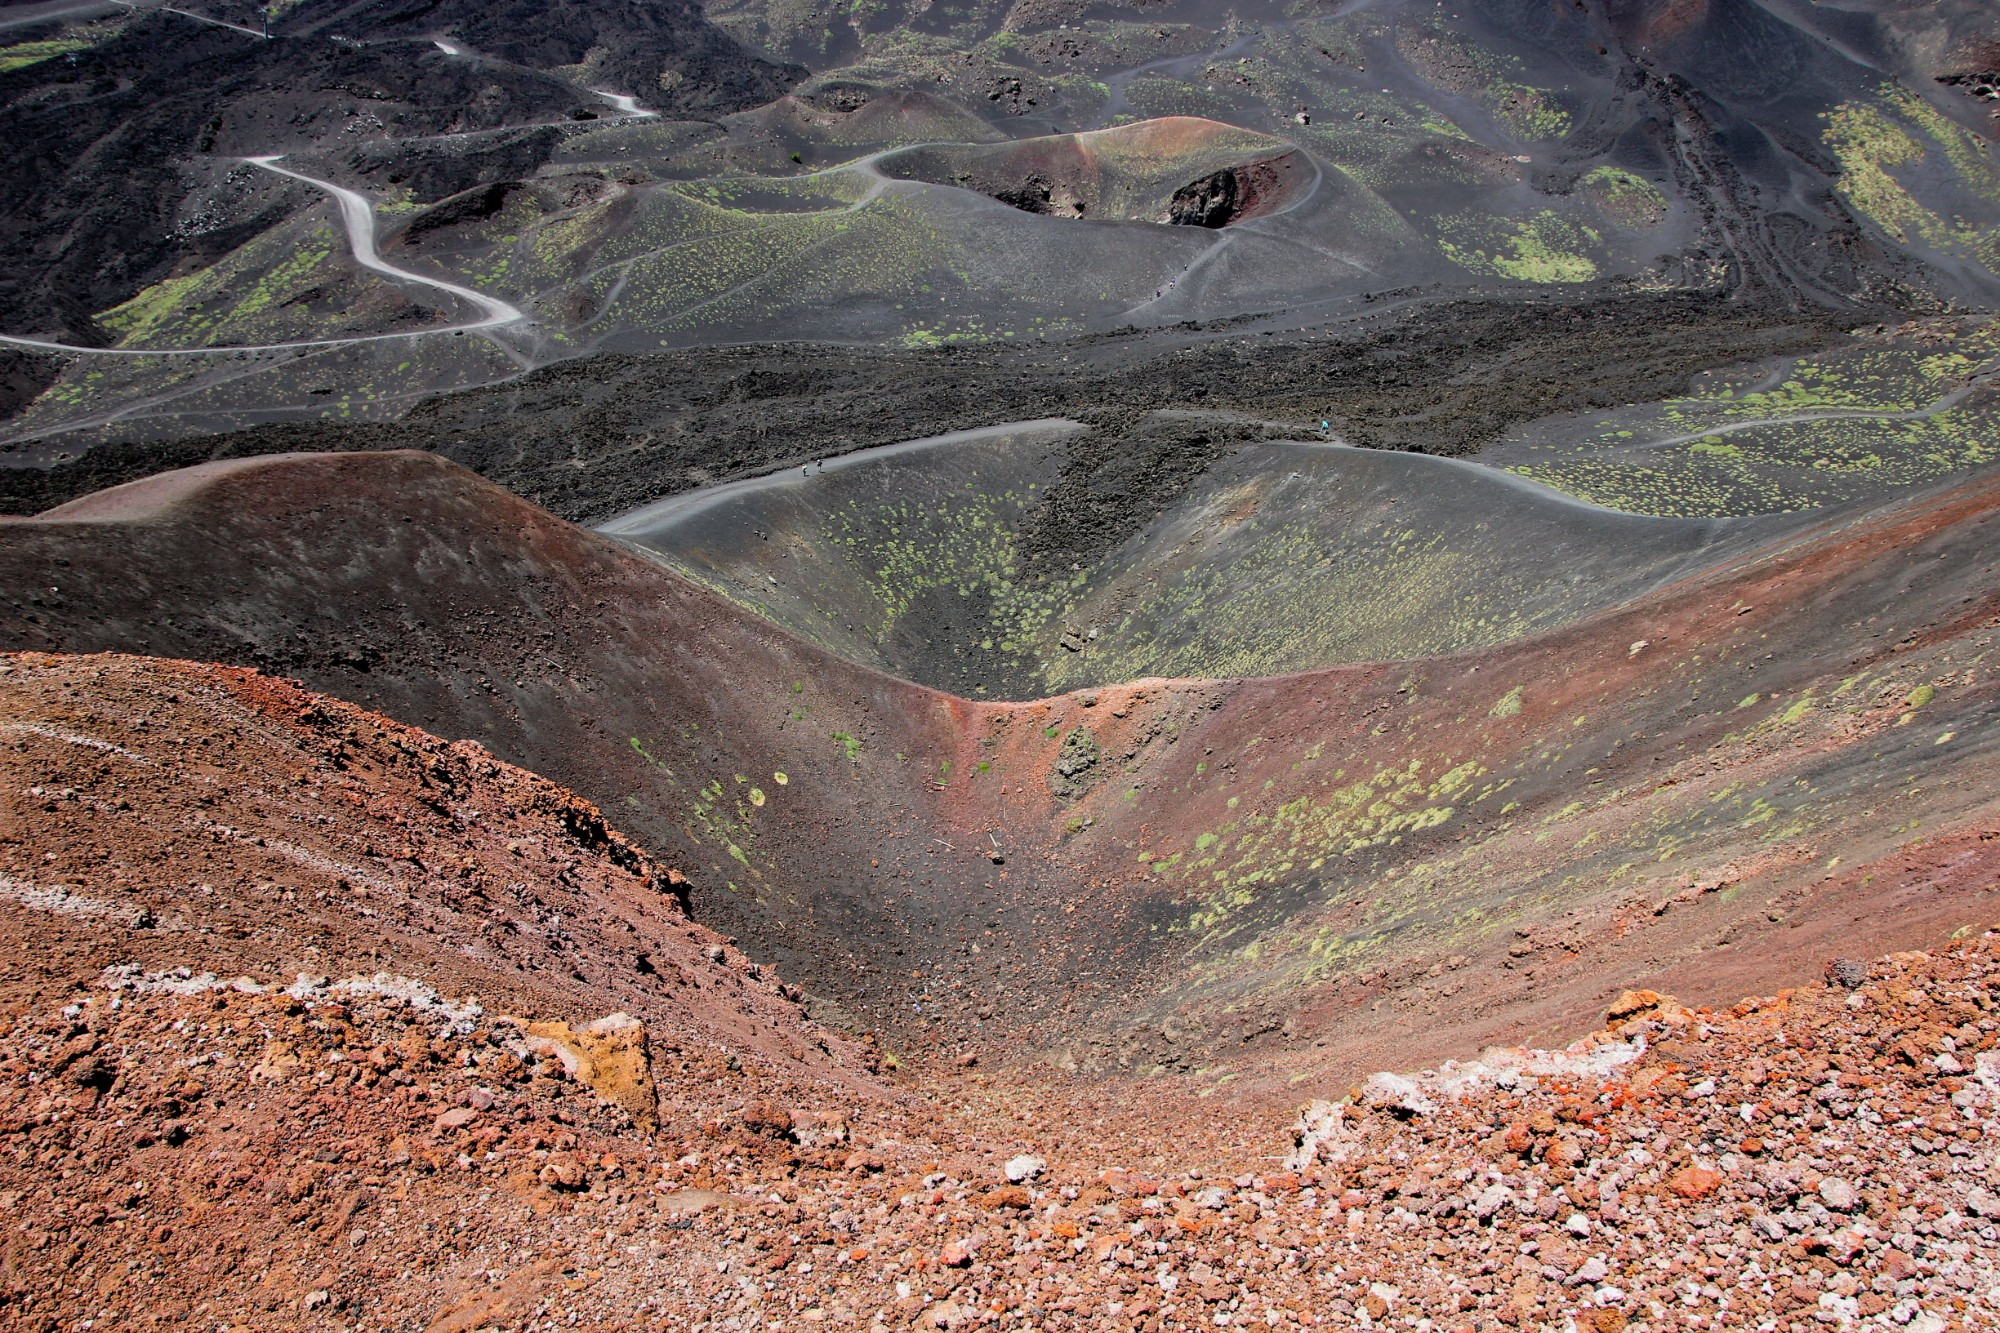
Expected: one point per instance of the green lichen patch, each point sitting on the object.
(23, 54)
(1545, 248)
(1901, 163)
(1884, 412)
(1625, 198)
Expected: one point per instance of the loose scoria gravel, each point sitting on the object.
(178, 1150)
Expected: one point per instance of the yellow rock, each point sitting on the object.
(610, 1056)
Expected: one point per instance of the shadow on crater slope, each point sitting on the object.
(976, 563)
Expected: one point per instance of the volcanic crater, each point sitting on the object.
(1063, 875)
(1001, 564)
(1179, 170)
(820, 697)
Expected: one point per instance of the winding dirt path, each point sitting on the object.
(190, 14)
(628, 105)
(681, 505)
(357, 217)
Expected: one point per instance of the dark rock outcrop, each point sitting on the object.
(1211, 201)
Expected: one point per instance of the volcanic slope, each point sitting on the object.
(171, 820)
(1531, 142)
(721, 736)
(293, 948)
(1248, 881)
(297, 1149)
(1895, 406)
(160, 108)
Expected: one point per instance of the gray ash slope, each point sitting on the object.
(959, 563)
(668, 52)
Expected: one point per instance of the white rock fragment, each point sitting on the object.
(1024, 1168)
(1321, 1134)
(1397, 1094)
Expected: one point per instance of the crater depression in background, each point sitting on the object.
(990, 563)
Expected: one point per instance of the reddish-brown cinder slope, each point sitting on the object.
(172, 819)
(1712, 788)
(314, 1161)
(768, 771)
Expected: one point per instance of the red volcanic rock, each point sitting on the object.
(563, 1172)
(765, 1117)
(1695, 1182)
(1637, 1003)
(456, 1118)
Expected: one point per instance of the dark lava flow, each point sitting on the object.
(593, 438)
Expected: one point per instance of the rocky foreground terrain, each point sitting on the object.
(275, 1053)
